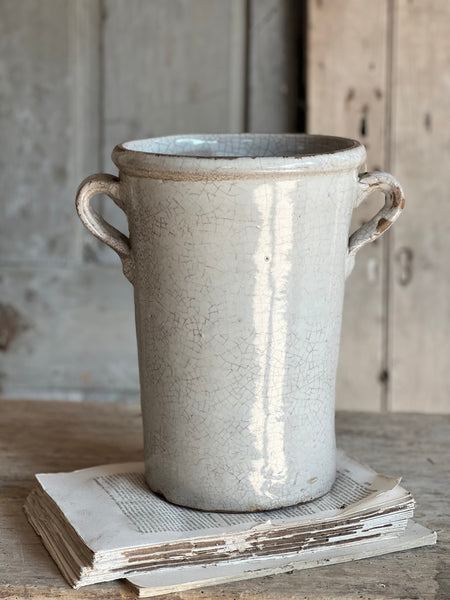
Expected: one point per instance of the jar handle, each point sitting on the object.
(110, 185)
(385, 217)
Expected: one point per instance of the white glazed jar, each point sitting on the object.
(238, 252)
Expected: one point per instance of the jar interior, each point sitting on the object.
(242, 145)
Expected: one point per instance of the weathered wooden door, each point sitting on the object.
(79, 76)
(380, 72)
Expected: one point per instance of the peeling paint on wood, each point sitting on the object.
(70, 92)
(35, 193)
(11, 324)
(347, 46)
(421, 155)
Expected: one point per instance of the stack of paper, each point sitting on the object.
(103, 523)
(166, 581)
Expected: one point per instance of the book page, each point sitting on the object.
(111, 507)
(151, 514)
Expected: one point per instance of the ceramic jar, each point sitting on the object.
(238, 251)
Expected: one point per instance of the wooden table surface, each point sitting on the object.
(61, 436)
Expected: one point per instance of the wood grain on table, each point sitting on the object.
(39, 436)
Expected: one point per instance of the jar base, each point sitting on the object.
(250, 508)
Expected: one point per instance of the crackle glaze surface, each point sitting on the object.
(239, 266)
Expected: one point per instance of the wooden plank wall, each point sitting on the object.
(78, 77)
(420, 253)
(379, 71)
(346, 89)
(273, 65)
